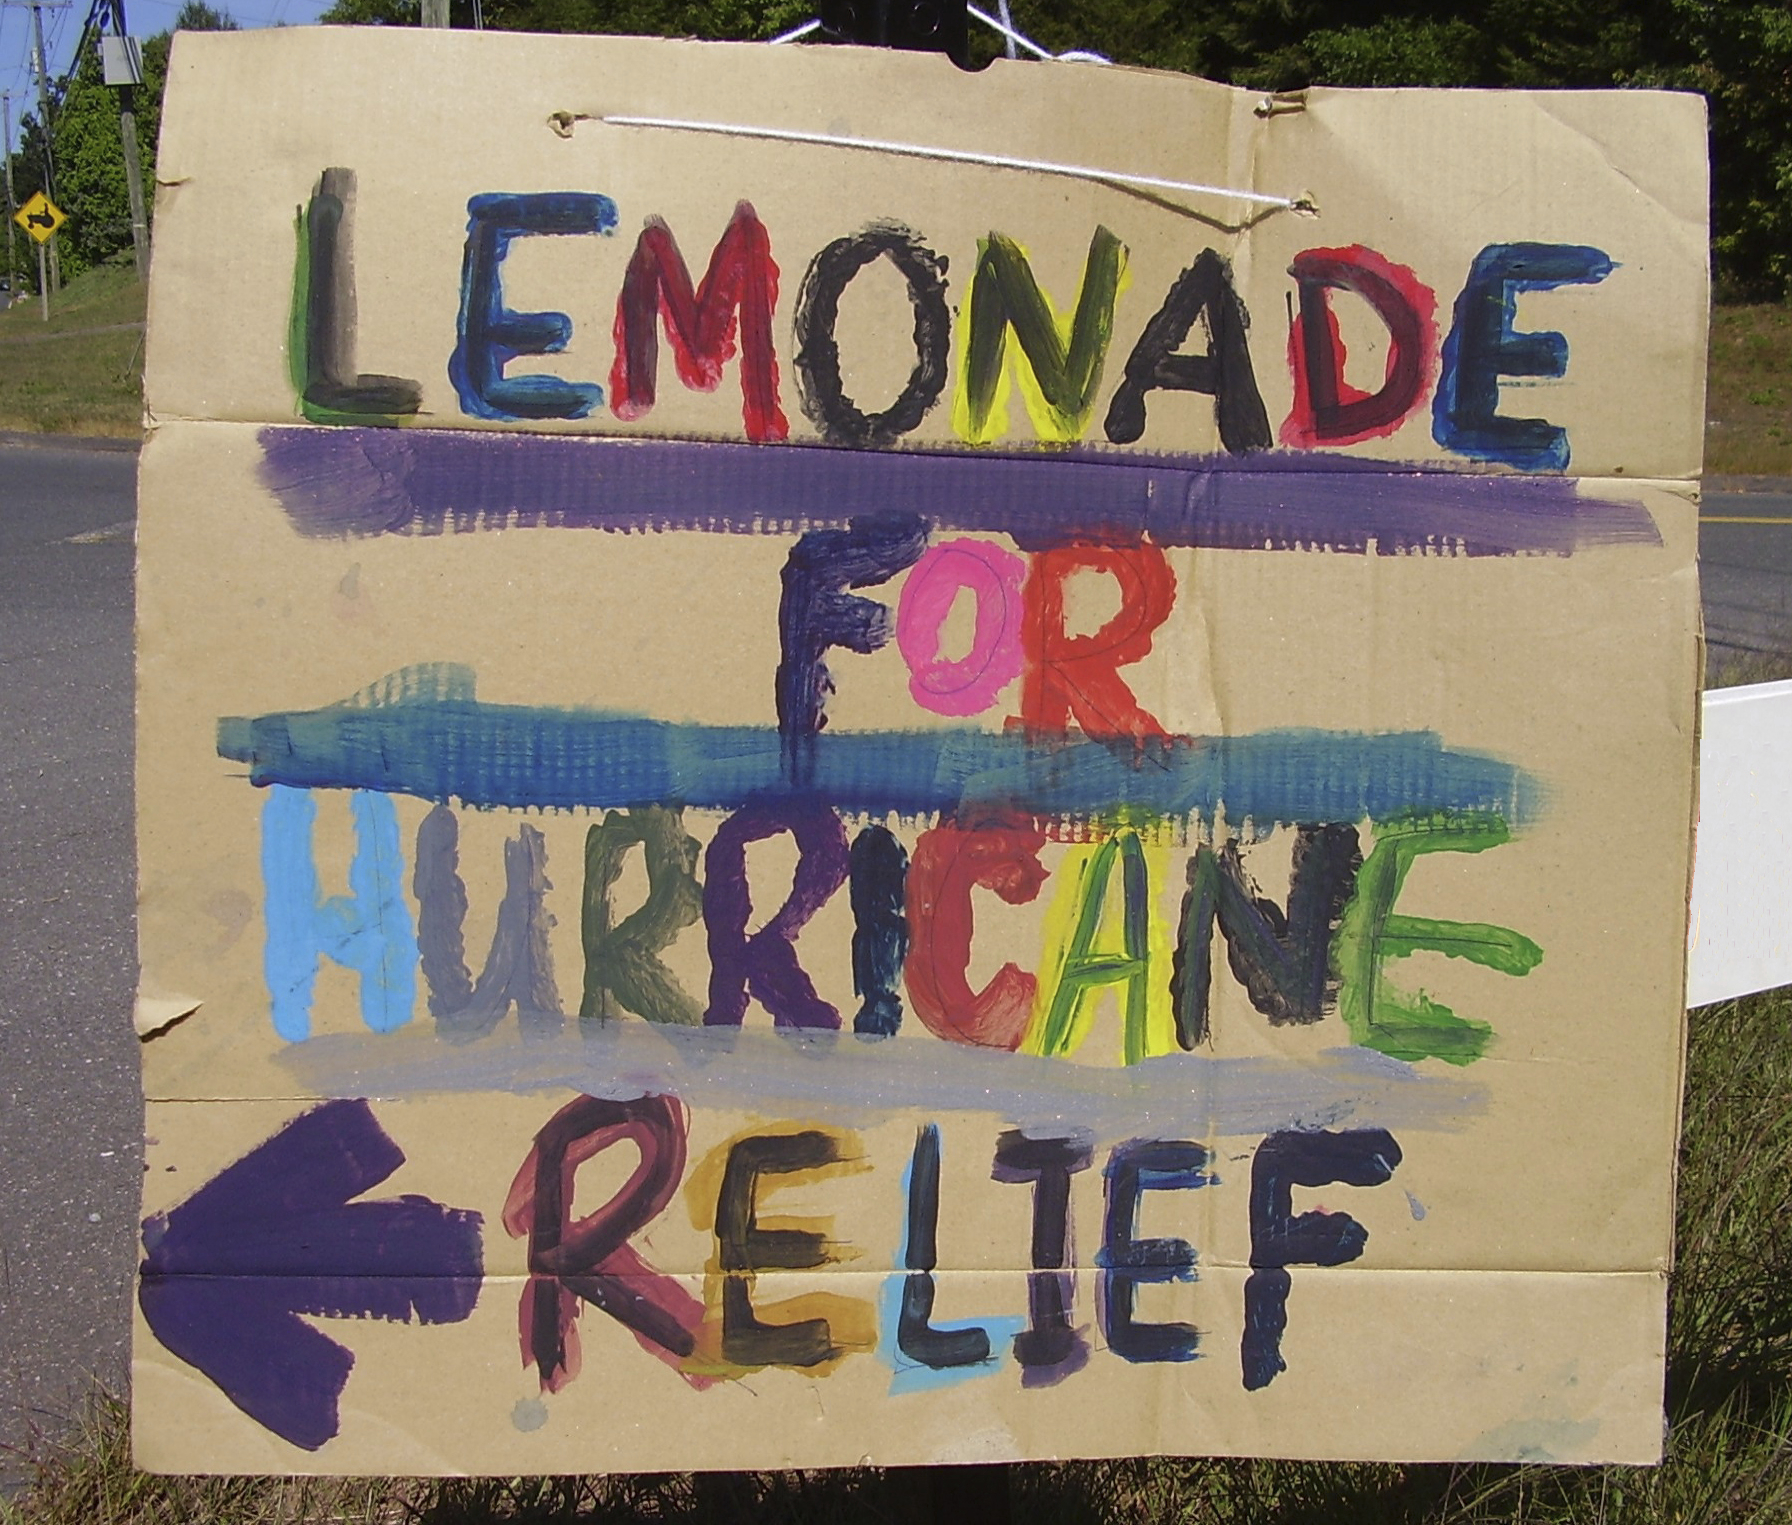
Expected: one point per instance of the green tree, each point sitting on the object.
(88, 150)
(90, 178)
(1740, 56)
(197, 16)
(1738, 53)
(713, 19)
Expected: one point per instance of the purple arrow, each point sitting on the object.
(278, 1234)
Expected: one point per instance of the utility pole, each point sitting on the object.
(43, 121)
(435, 12)
(12, 205)
(127, 128)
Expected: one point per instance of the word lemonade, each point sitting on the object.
(1008, 327)
(896, 813)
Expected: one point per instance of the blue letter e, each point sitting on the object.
(491, 334)
(1483, 347)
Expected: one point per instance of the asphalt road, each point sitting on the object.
(70, 1118)
(1745, 570)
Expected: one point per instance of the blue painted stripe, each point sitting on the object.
(517, 757)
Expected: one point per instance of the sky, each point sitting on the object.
(62, 30)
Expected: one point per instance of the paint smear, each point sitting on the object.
(336, 482)
(836, 1074)
(445, 745)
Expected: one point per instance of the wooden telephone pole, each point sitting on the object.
(43, 122)
(12, 205)
(124, 71)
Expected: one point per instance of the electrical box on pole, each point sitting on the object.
(121, 60)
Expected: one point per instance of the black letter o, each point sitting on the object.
(822, 393)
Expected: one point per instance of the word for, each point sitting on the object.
(1009, 332)
(590, 1260)
(1021, 627)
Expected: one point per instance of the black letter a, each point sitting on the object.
(1203, 291)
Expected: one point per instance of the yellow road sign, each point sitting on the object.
(40, 217)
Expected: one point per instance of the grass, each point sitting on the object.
(57, 379)
(1729, 1453)
(1734, 670)
(1748, 406)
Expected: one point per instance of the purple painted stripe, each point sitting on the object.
(343, 482)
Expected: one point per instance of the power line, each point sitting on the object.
(22, 73)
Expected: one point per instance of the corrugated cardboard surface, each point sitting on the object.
(1509, 1300)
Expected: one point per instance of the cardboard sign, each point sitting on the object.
(805, 802)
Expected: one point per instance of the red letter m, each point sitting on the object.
(741, 285)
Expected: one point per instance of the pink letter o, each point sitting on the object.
(994, 578)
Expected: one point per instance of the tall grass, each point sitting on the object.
(82, 372)
(1737, 668)
(1729, 1451)
(1748, 402)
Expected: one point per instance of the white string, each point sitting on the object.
(1008, 31)
(1005, 26)
(795, 32)
(951, 155)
